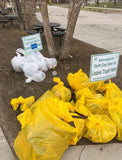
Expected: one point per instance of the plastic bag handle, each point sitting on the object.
(58, 80)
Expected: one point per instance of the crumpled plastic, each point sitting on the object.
(33, 65)
(110, 90)
(60, 91)
(24, 103)
(80, 107)
(86, 92)
(25, 117)
(97, 104)
(95, 86)
(78, 80)
(100, 129)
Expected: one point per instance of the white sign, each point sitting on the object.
(104, 66)
(32, 43)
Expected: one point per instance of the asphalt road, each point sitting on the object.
(98, 29)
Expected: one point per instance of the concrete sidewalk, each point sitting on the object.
(93, 152)
(5, 151)
(98, 29)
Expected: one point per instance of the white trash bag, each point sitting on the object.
(17, 63)
(51, 62)
(33, 65)
(29, 68)
(20, 50)
(37, 77)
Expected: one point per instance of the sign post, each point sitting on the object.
(104, 66)
(32, 43)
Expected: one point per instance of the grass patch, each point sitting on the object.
(92, 9)
(19, 32)
(108, 5)
(97, 9)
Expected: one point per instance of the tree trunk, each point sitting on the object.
(18, 5)
(114, 2)
(71, 5)
(74, 9)
(35, 1)
(109, 4)
(2, 4)
(97, 2)
(47, 29)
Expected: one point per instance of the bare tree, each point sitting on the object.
(21, 20)
(114, 2)
(47, 30)
(98, 2)
(109, 3)
(35, 2)
(2, 3)
(13, 6)
(28, 10)
(74, 8)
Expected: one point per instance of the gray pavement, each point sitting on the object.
(93, 152)
(5, 151)
(98, 29)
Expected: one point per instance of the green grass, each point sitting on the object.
(97, 9)
(102, 4)
(92, 9)
(19, 32)
(108, 5)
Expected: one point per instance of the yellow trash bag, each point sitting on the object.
(80, 107)
(95, 86)
(100, 129)
(97, 104)
(86, 92)
(115, 111)
(60, 91)
(47, 135)
(47, 94)
(63, 110)
(78, 80)
(25, 117)
(25, 103)
(57, 107)
(111, 90)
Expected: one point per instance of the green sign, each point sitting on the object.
(104, 66)
(32, 43)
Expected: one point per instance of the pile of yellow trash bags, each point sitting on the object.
(55, 121)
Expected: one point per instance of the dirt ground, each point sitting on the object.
(13, 84)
